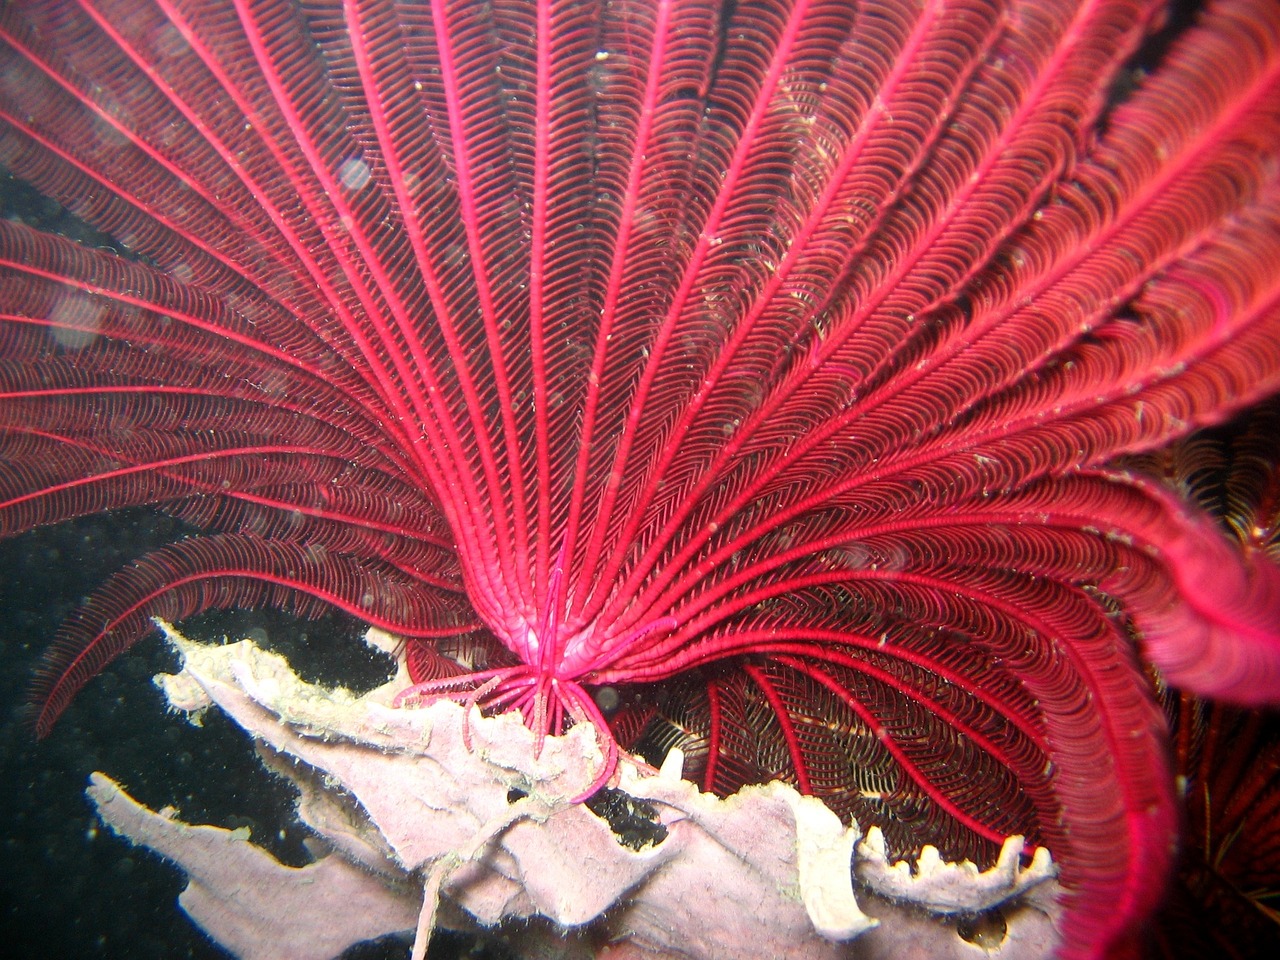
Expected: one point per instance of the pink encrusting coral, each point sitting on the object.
(762, 361)
(423, 812)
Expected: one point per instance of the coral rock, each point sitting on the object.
(414, 801)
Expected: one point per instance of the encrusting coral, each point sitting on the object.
(441, 815)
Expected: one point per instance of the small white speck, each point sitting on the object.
(354, 173)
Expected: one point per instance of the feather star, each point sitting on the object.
(744, 377)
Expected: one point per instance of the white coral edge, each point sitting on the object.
(437, 815)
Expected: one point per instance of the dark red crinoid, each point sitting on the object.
(1224, 900)
(769, 352)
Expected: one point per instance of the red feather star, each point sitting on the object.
(758, 363)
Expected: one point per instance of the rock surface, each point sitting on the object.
(437, 816)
